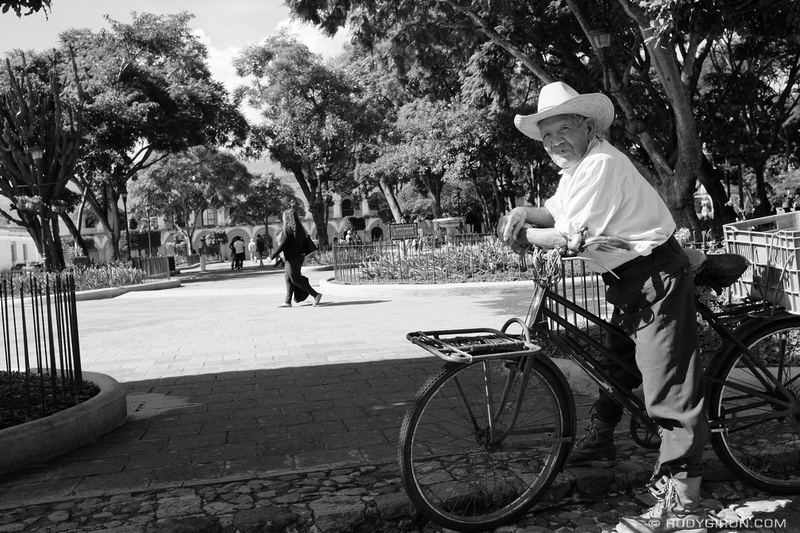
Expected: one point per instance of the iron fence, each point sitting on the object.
(154, 268)
(42, 361)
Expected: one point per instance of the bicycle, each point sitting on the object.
(489, 432)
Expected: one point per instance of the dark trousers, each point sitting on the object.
(654, 304)
(293, 277)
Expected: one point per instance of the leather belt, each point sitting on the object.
(661, 255)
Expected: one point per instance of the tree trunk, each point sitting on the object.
(485, 209)
(56, 251)
(763, 206)
(316, 207)
(709, 177)
(391, 199)
(318, 214)
(75, 232)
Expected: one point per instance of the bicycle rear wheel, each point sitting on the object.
(758, 424)
(469, 470)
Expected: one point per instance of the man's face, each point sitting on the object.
(566, 138)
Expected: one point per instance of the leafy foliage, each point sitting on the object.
(150, 94)
(25, 7)
(310, 115)
(266, 197)
(189, 182)
(496, 56)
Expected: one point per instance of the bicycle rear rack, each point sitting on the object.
(470, 345)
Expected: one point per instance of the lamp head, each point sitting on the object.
(37, 152)
(600, 38)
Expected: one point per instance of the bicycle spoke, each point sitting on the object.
(478, 448)
(754, 402)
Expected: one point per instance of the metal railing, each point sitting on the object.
(154, 268)
(41, 366)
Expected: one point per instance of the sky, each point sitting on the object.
(224, 26)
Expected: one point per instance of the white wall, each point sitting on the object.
(16, 247)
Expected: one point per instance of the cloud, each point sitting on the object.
(318, 43)
(220, 62)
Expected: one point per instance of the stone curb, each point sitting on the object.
(328, 286)
(62, 432)
(113, 292)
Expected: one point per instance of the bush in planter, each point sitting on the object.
(354, 223)
(216, 237)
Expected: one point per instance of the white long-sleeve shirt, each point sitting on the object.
(606, 193)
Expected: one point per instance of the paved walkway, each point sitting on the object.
(234, 401)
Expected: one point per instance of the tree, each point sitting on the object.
(32, 6)
(652, 68)
(150, 94)
(40, 138)
(184, 185)
(750, 110)
(267, 197)
(310, 116)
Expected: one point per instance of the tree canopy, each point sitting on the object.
(148, 93)
(655, 69)
(25, 7)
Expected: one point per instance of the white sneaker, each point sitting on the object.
(677, 509)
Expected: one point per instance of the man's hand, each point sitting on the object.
(510, 225)
(518, 242)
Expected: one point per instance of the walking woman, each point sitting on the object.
(291, 243)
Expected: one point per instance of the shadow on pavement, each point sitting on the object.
(215, 426)
(323, 303)
(225, 273)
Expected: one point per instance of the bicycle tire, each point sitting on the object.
(759, 446)
(451, 472)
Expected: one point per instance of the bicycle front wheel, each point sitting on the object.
(756, 412)
(482, 442)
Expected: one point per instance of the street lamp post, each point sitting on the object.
(127, 228)
(37, 153)
(149, 243)
(322, 199)
(601, 40)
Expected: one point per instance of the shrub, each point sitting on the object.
(354, 223)
(117, 274)
(486, 260)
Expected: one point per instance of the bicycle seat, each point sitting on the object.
(720, 271)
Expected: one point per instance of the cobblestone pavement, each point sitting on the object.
(370, 499)
(242, 420)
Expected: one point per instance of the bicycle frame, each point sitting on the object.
(733, 340)
(570, 344)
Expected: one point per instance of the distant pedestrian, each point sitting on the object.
(252, 247)
(260, 248)
(203, 251)
(291, 244)
(238, 248)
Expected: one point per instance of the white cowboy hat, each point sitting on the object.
(560, 99)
